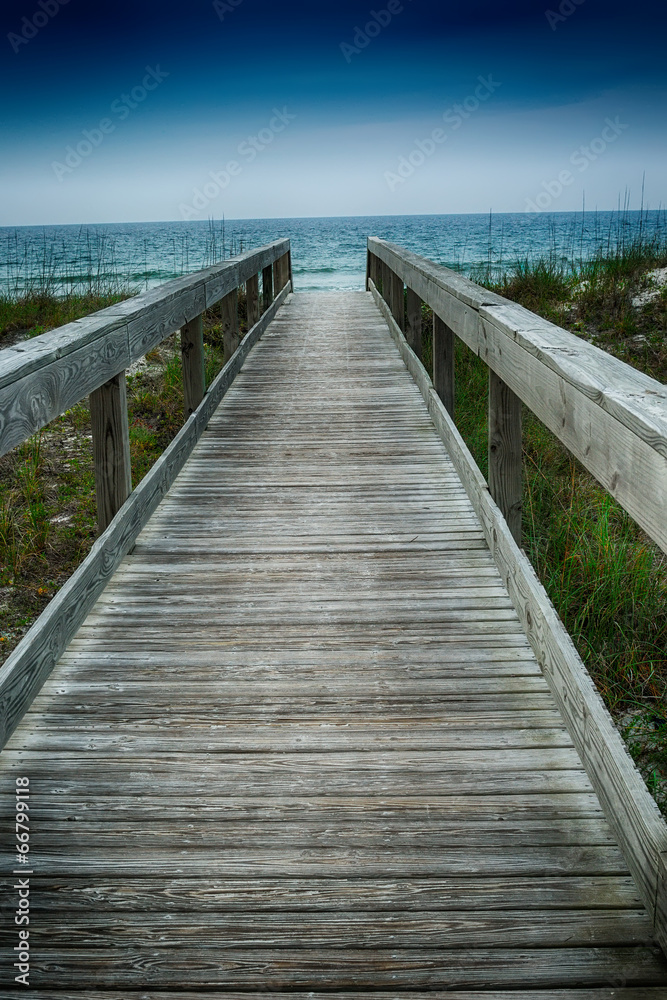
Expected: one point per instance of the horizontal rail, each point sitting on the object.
(32, 661)
(631, 811)
(610, 416)
(42, 378)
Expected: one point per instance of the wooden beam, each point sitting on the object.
(252, 299)
(230, 323)
(505, 459)
(111, 448)
(194, 373)
(267, 286)
(397, 299)
(443, 363)
(413, 328)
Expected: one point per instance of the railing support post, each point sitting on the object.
(194, 374)
(111, 448)
(413, 329)
(505, 452)
(230, 323)
(267, 287)
(397, 302)
(252, 300)
(443, 363)
(385, 275)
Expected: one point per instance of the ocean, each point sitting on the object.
(327, 253)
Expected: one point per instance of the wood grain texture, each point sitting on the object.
(111, 449)
(301, 743)
(634, 815)
(505, 453)
(192, 354)
(611, 416)
(444, 381)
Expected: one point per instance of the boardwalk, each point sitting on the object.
(302, 743)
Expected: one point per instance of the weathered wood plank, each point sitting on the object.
(111, 449)
(192, 354)
(505, 453)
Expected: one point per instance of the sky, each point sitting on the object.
(158, 111)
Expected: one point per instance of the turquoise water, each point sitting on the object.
(327, 254)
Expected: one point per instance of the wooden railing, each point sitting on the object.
(614, 419)
(44, 377)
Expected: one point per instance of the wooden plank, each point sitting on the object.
(252, 299)
(192, 354)
(300, 931)
(631, 810)
(328, 969)
(397, 299)
(443, 364)
(605, 993)
(28, 666)
(413, 329)
(111, 449)
(229, 311)
(505, 453)
(267, 287)
(145, 895)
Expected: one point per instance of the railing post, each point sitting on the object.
(252, 300)
(230, 322)
(443, 363)
(413, 329)
(111, 448)
(194, 374)
(397, 304)
(267, 287)
(505, 452)
(385, 275)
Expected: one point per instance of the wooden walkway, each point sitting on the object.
(302, 743)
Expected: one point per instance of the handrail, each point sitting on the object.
(590, 399)
(612, 417)
(42, 378)
(28, 666)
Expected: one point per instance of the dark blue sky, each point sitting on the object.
(156, 111)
